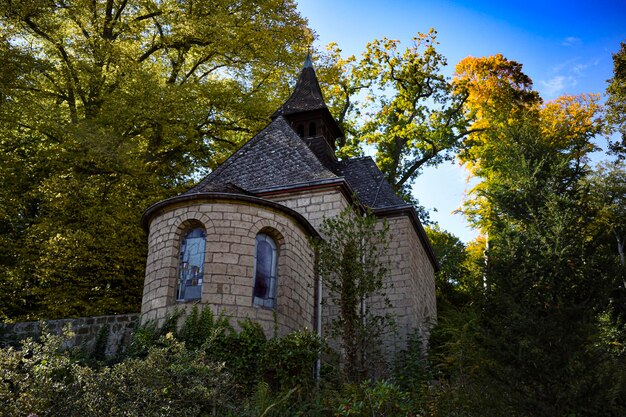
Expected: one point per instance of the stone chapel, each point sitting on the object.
(238, 241)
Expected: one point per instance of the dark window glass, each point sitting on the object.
(312, 130)
(301, 131)
(265, 271)
(191, 265)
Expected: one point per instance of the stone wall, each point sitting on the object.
(86, 331)
(314, 205)
(411, 274)
(231, 228)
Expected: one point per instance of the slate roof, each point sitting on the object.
(306, 96)
(276, 156)
(369, 183)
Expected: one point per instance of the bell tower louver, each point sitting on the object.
(308, 115)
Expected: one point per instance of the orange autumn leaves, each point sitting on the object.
(505, 109)
(501, 97)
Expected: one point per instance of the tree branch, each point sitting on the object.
(147, 16)
(64, 56)
(149, 52)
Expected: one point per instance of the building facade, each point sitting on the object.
(239, 241)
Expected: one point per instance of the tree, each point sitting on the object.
(502, 103)
(459, 277)
(348, 262)
(412, 114)
(548, 283)
(616, 102)
(499, 93)
(108, 107)
(532, 342)
(607, 185)
(535, 340)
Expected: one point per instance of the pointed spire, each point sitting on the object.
(308, 62)
(308, 115)
(307, 94)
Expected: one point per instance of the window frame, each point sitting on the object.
(270, 300)
(183, 265)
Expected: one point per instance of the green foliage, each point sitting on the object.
(410, 365)
(242, 352)
(107, 107)
(288, 361)
(531, 343)
(149, 334)
(266, 404)
(616, 102)
(202, 328)
(351, 263)
(42, 379)
(414, 114)
(100, 344)
(538, 330)
(379, 398)
(607, 194)
(171, 378)
(247, 355)
(459, 278)
(166, 372)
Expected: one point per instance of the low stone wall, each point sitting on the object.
(117, 329)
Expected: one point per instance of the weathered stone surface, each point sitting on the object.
(86, 331)
(229, 264)
(412, 279)
(314, 205)
(228, 281)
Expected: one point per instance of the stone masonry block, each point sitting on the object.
(237, 270)
(221, 247)
(226, 258)
(242, 249)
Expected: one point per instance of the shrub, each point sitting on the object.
(375, 399)
(40, 378)
(290, 361)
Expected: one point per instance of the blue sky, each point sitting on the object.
(565, 47)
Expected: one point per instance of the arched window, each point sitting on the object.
(264, 271)
(191, 265)
(312, 130)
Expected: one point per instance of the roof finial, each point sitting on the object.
(308, 62)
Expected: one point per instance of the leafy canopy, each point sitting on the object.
(412, 114)
(107, 107)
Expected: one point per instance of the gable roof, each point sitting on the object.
(276, 156)
(369, 183)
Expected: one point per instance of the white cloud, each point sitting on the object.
(566, 76)
(579, 68)
(571, 41)
(556, 85)
(563, 65)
